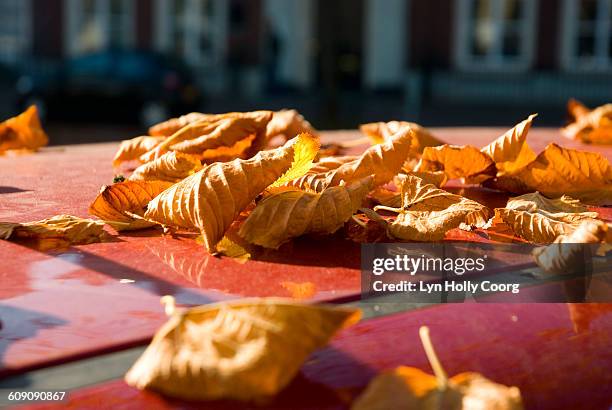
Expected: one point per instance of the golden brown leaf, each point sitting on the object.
(330, 163)
(568, 253)
(292, 213)
(383, 161)
(23, 131)
(466, 162)
(68, 228)
(231, 249)
(171, 167)
(562, 171)
(120, 204)
(214, 132)
(133, 148)
(510, 152)
(589, 126)
(541, 220)
(245, 350)
(211, 199)
(427, 212)
(410, 388)
(288, 123)
(380, 132)
(169, 127)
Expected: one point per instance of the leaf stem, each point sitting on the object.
(433, 358)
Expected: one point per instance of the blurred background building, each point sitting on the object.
(340, 62)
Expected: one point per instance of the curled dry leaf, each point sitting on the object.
(288, 123)
(510, 152)
(538, 219)
(379, 132)
(65, 228)
(466, 162)
(560, 171)
(383, 161)
(330, 163)
(590, 126)
(292, 213)
(169, 127)
(211, 199)
(427, 212)
(171, 167)
(23, 132)
(132, 149)
(411, 388)
(214, 132)
(436, 178)
(569, 253)
(120, 204)
(244, 350)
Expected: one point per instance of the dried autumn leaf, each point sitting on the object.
(538, 219)
(465, 162)
(590, 126)
(245, 350)
(211, 199)
(557, 171)
(132, 149)
(23, 131)
(510, 152)
(330, 163)
(120, 203)
(380, 132)
(171, 167)
(427, 212)
(231, 249)
(292, 213)
(68, 228)
(383, 161)
(288, 123)
(169, 127)
(411, 388)
(569, 252)
(214, 132)
(436, 178)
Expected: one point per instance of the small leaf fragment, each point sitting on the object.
(68, 228)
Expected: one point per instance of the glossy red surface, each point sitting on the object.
(64, 304)
(558, 355)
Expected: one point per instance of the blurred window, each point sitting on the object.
(193, 30)
(14, 29)
(98, 24)
(494, 35)
(587, 40)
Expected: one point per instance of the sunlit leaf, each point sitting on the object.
(171, 167)
(23, 132)
(245, 350)
(132, 149)
(590, 126)
(465, 162)
(288, 123)
(68, 228)
(510, 152)
(380, 132)
(293, 213)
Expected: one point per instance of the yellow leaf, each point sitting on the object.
(23, 132)
(214, 132)
(427, 212)
(288, 123)
(383, 161)
(466, 162)
(70, 229)
(224, 154)
(118, 204)
(541, 220)
(411, 388)
(132, 149)
(233, 250)
(510, 152)
(303, 156)
(245, 350)
(293, 213)
(380, 132)
(171, 167)
(561, 171)
(211, 199)
(568, 254)
(594, 127)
